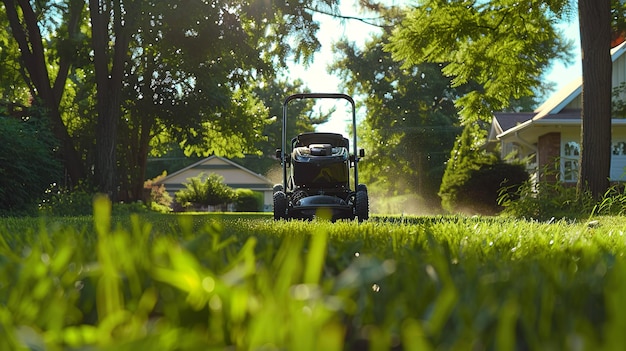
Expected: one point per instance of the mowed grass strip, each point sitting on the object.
(194, 281)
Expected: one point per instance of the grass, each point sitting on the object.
(188, 282)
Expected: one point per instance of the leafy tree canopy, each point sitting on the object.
(410, 120)
(137, 76)
(503, 46)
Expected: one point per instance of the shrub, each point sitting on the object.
(466, 157)
(27, 163)
(158, 198)
(474, 177)
(248, 201)
(546, 200)
(479, 194)
(205, 191)
(62, 201)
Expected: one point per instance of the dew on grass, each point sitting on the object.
(432, 273)
(389, 266)
(208, 284)
(375, 287)
(301, 292)
(45, 258)
(215, 303)
(79, 285)
(307, 311)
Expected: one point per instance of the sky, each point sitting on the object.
(316, 77)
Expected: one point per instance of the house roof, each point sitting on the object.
(552, 111)
(503, 121)
(214, 164)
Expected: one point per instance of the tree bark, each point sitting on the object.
(109, 86)
(595, 40)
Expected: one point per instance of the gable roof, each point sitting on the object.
(217, 164)
(553, 110)
(503, 121)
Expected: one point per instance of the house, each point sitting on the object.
(235, 176)
(549, 137)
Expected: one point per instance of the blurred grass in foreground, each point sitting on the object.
(189, 282)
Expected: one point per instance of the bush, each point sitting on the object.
(27, 163)
(61, 201)
(466, 157)
(545, 201)
(205, 191)
(158, 198)
(480, 193)
(248, 201)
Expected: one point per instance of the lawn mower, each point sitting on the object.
(316, 172)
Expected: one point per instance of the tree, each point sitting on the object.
(302, 118)
(36, 58)
(193, 71)
(502, 46)
(410, 120)
(505, 47)
(112, 24)
(192, 64)
(595, 45)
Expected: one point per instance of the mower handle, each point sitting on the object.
(319, 96)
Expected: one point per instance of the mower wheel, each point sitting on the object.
(361, 187)
(280, 205)
(362, 203)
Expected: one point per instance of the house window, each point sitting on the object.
(571, 154)
(619, 148)
(618, 161)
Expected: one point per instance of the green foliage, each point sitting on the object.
(60, 201)
(190, 282)
(184, 73)
(545, 201)
(28, 162)
(248, 200)
(302, 118)
(410, 123)
(205, 191)
(503, 47)
(618, 17)
(467, 157)
(159, 199)
(484, 186)
(197, 70)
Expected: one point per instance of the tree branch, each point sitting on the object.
(368, 21)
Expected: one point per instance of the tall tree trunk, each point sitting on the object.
(595, 42)
(25, 29)
(105, 15)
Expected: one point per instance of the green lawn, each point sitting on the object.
(226, 281)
